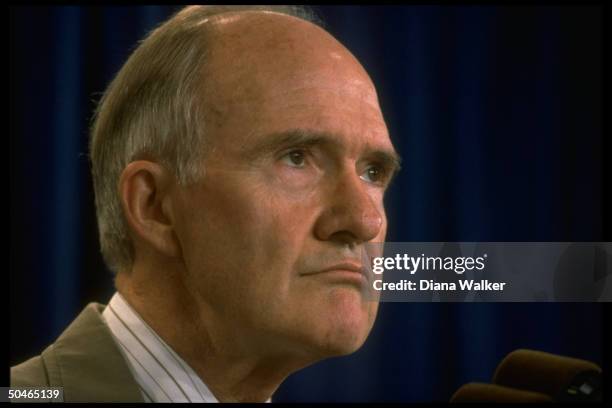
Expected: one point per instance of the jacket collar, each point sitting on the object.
(87, 362)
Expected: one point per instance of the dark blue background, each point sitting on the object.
(497, 112)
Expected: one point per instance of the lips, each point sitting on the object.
(344, 266)
(342, 272)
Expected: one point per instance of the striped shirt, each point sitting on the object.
(162, 375)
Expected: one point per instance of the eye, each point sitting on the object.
(295, 158)
(374, 174)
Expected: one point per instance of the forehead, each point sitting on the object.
(272, 72)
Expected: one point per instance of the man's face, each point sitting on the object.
(293, 186)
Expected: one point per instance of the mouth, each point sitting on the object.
(345, 272)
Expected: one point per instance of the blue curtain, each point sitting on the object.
(497, 112)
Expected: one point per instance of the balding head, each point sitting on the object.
(258, 55)
(263, 65)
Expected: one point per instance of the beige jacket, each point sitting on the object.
(85, 360)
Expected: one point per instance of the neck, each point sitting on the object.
(227, 359)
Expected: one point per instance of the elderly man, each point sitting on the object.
(240, 159)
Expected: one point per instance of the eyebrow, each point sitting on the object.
(307, 138)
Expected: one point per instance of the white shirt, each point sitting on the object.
(162, 375)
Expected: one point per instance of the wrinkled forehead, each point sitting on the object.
(255, 52)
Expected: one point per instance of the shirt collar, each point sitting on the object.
(163, 376)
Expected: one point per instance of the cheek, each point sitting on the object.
(241, 233)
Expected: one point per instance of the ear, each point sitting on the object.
(145, 189)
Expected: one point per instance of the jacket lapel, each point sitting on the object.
(87, 362)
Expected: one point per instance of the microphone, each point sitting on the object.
(536, 376)
(566, 379)
(479, 392)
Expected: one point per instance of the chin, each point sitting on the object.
(344, 343)
(347, 325)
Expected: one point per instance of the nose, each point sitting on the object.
(352, 216)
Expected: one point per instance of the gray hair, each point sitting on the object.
(152, 108)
